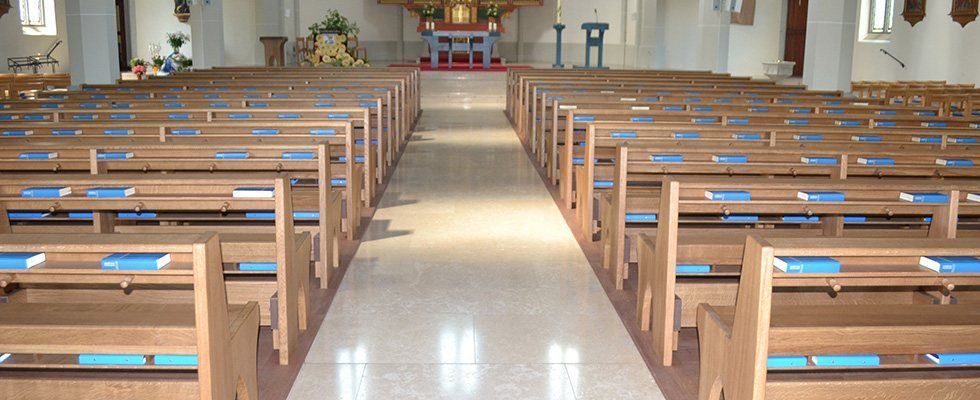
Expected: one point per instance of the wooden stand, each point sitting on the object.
(274, 55)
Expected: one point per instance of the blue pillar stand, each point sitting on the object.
(593, 41)
(558, 29)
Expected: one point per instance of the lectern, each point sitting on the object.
(274, 54)
(593, 41)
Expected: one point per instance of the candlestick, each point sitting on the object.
(558, 13)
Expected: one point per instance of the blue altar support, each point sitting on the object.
(470, 46)
(593, 41)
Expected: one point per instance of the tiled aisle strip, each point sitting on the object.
(468, 284)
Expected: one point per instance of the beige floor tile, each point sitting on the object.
(613, 381)
(465, 382)
(327, 381)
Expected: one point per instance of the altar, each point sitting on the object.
(461, 31)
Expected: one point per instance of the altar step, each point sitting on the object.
(461, 58)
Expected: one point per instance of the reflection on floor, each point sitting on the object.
(469, 284)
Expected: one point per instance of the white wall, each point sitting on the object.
(150, 23)
(13, 42)
(936, 48)
(242, 46)
(751, 45)
(681, 30)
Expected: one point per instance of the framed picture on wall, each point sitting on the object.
(4, 7)
(915, 11)
(964, 11)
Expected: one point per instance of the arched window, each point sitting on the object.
(32, 12)
(880, 16)
(37, 18)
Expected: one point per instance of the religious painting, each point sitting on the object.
(744, 14)
(964, 11)
(915, 11)
(4, 7)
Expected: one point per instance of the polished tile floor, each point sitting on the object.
(468, 284)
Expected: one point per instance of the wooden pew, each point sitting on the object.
(46, 338)
(700, 241)
(195, 203)
(736, 342)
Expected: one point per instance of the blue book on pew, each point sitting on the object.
(641, 217)
(179, 116)
(730, 159)
(20, 260)
(121, 116)
(367, 104)
(801, 111)
(338, 182)
(117, 132)
(583, 118)
(7, 117)
(338, 116)
(260, 214)
(786, 362)
(693, 269)
(667, 158)
(306, 215)
(280, 96)
(886, 124)
(298, 155)
(81, 214)
(704, 120)
(855, 219)
(135, 261)
(756, 101)
(951, 264)
(848, 123)
(258, 104)
(219, 105)
(927, 139)
(923, 197)
(759, 109)
(954, 162)
(323, 132)
(360, 159)
(692, 100)
(819, 160)
(175, 360)
(51, 106)
(847, 360)
(727, 195)
(702, 108)
(110, 192)
(600, 184)
(642, 119)
(723, 100)
(288, 116)
(111, 359)
(185, 132)
(361, 141)
(875, 161)
(814, 138)
(34, 117)
(673, 108)
(746, 136)
(365, 96)
(820, 196)
(740, 218)
(624, 135)
(231, 155)
(834, 111)
(324, 96)
(887, 112)
(27, 214)
(240, 116)
(738, 121)
(866, 138)
(45, 192)
(18, 132)
(959, 140)
(935, 124)
(323, 104)
(122, 106)
(801, 218)
(170, 96)
(784, 101)
(252, 96)
(173, 105)
(89, 106)
(265, 131)
(797, 121)
(257, 266)
(686, 135)
(37, 155)
(954, 358)
(114, 155)
(807, 265)
(136, 215)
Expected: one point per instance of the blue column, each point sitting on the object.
(594, 41)
(558, 29)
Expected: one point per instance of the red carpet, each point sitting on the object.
(477, 67)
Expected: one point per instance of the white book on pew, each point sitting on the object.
(607, 92)
(4, 357)
(974, 197)
(627, 99)
(567, 107)
(640, 108)
(253, 193)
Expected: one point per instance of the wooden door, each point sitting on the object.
(121, 35)
(796, 34)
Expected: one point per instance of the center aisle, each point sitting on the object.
(468, 284)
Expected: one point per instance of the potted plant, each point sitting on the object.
(428, 12)
(176, 40)
(182, 10)
(157, 63)
(139, 67)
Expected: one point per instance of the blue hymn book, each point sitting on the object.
(807, 265)
(951, 264)
(136, 261)
(20, 260)
(820, 196)
(913, 197)
(110, 192)
(727, 195)
(111, 359)
(43, 192)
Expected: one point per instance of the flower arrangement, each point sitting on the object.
(176, 40)
(334, 22)
(137, 62)
(428, 11)
(157, 62)
(335, 54)
(493, 11)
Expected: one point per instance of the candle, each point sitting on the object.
(558, 13)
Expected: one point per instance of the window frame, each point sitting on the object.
(889, 11)
(25, 10)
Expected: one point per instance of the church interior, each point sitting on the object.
(489, 199)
